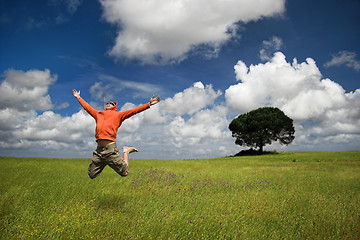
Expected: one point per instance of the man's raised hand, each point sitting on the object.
(76, 93)
(154, 100)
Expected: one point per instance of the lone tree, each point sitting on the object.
(262, 126)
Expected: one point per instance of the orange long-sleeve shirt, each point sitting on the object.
(108, 121)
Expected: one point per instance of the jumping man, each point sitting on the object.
(107, 124)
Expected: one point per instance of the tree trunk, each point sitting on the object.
(261, 145)
(261, 149)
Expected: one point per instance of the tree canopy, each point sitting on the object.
(259, 127)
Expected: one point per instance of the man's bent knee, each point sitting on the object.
(92, 175)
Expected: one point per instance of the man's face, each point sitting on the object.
(109, 105)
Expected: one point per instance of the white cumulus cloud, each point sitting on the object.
(191, 99)
(26, 90)
(205, 125)
(321, 108)
(162, 31)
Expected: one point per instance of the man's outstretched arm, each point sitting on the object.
(84, 104)
(131, 112)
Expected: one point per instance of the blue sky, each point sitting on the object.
(208, 60)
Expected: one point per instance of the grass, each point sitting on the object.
(278, 196)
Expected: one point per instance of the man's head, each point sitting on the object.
(110, 105)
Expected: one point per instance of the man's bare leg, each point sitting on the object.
(126, 152)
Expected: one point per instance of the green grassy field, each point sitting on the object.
(279, 196)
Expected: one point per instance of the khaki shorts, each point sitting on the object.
(108, 155)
